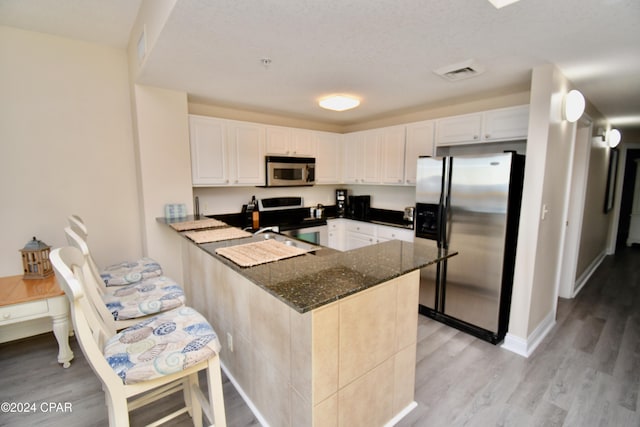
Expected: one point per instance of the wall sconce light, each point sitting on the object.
(573, 107)
(613, 138)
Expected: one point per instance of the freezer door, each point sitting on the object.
(429, 180)
(477, 213)
(428, 279)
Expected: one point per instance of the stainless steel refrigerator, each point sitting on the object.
(470, 204)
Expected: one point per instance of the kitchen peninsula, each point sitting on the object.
(326, 338)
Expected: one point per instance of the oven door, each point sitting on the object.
(318, 235)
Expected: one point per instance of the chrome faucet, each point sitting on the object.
(275, 229)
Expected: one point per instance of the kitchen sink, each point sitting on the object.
(288, 240)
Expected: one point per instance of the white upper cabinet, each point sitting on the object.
(208, 151)
(328, 158)
(392, 153)
(245, 143)
(278, 140)
(353, 166)
(226, 152)
(371, 144)
(303, 143)
(419, 142)
(286, 141)
(374, 156)
(502, 124)
(506, 124)
(459, 129)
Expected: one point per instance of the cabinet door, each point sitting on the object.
(353, 160)
(328, 158)
(385, 233)
(358, 240)
(336, 234)
(278, 140)
(459, 129)
(303, 143)
(392, 155)
(506, 124)
(246, 147)
(208, 151)
(419, 143)
(372, 141)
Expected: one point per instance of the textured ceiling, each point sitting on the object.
(382, 51)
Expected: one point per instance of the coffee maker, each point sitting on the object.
(341, 203)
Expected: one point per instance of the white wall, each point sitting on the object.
(162, 136)
(65, 146)
(595, 223)
(224, 200)
(549, 147)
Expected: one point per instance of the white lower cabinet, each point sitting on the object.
(337, 234)
(360, 234)
(346, 234)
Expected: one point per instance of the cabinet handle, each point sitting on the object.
(475, 136)
(226, 181)
(6, 315)
(487, 136)
(400, 181)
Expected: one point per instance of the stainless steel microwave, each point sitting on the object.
(290, 171)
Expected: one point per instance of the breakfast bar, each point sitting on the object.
(322, 338)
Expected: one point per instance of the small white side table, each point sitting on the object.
(28, 299)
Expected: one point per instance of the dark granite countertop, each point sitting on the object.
(317, 278)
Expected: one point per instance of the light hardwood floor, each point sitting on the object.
(585, 373)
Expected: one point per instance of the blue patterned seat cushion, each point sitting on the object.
(147, 297)
(162, 345)
(129, 272)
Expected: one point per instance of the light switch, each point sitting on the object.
(545, 211)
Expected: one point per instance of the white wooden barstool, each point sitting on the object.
(150, 360)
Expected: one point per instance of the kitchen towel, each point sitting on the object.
(217, 234)
(251, 254)
(197, 224)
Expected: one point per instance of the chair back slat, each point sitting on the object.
(78, 226)
(91, 332)
(91, 279)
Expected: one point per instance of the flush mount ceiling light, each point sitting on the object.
(613, 138)
(339, 102)
(574, 104)
(501, 3)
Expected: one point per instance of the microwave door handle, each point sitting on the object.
(307, 177)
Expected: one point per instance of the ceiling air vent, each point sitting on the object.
(460, 71)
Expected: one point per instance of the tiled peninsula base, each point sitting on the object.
(347, 363)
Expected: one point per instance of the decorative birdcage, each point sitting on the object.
(35, 260)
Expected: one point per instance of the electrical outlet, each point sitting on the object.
(230, 341)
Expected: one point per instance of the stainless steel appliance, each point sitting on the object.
(341, 202)
(318, 235)
(470, 204)
(289, 171)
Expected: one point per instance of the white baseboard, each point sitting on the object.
(586, 275)
(244, 396)
(525, 347)
(400, 415)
